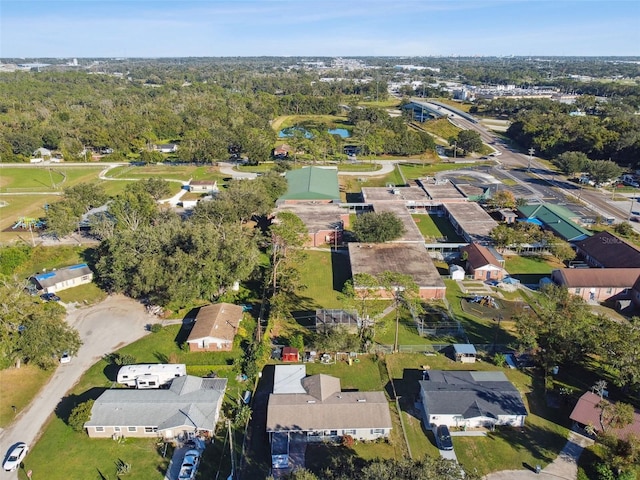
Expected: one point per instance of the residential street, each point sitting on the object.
(105, 327)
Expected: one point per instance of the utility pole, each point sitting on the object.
(531, 152)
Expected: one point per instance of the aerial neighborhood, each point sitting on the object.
(313, 267)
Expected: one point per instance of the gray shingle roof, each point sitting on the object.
(191, 401)
(471, 394)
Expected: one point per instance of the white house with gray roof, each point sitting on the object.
(62, 278)
(470, 399)
(191, 405)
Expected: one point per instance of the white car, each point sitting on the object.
(189, 465)
(15, 456)
(65, 357)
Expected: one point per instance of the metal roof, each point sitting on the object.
(312, 183)
(464, 348)
(49, 279)
(558, 219)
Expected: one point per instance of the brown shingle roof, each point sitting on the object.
(479, 256)
(218, 321)
(596, 277)
(587, 412)
(609, 251)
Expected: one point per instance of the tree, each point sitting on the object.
(571, 163)
(377, 227)
(32, 331)
(560, 328)
(288, 234)
(502, 199)
(154, 186)
(469, 141)
(560, 249)
(601, 171)
(80, 415)
(405, 292)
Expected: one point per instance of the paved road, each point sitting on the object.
(564, 467)
(387, 166)
(105, 327)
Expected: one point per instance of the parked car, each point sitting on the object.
(15, 456)
(65, 357)
(50, 297)
(443, 438)
(189, 465)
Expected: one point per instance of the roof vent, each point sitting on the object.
(362, 400)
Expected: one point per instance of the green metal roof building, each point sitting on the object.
(556, 218)
(312, 183)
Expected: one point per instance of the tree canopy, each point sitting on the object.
(377, 227)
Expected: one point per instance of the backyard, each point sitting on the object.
(530, 269)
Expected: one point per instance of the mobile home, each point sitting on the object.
(153, 375)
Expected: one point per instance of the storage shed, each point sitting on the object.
(456, 272)
(464, 352)
(290, 354)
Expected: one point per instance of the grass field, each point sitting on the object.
(530, 269)
(45, 179)
(441, 128)
(311, 121)
(18, 386)
(324, 274)
(434, 226)
(418, 170)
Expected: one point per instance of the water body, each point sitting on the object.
(343, 132)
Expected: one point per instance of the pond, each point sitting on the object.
(343, 132)
(290, 131)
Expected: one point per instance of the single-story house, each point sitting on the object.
(282, 151)
(411, 259)
(311, 184)
(166, 148)
(62, 278)
(470, 399)
(596, 284)
(316, 407)
(481, 263)
(560, 220)
(43, 153)
(191, 405)
(203, 186)
(464, 352)
(215, 327)
(587, 413)
(328, 319)
(290, 354)
(605, 250)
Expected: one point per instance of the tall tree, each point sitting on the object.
(287, 235)
(469, 141)
(377, 227)
(571, 163)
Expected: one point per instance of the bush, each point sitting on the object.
(155, 328)
(80, 415)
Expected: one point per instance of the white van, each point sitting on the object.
(151, 375)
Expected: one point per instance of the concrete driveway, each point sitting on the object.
(105, 327)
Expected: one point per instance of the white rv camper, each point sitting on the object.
(152, 375)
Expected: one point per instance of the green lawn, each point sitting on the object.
(440, 127)
(530, 269)
(435, 226)
(46, 178)
(324, 274)
(418, 170)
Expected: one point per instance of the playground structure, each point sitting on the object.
(27, 223)
(485, 301)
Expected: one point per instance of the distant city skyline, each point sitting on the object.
(220, 28)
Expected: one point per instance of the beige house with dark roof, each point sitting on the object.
(596, 284)
(215, 327)
(316, 407)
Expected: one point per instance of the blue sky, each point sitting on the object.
(169, 28)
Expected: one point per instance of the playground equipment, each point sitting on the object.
(26, 223)
(485, 301)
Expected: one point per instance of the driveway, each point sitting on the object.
(105, 327)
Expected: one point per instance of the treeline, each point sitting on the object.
(603, 130)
